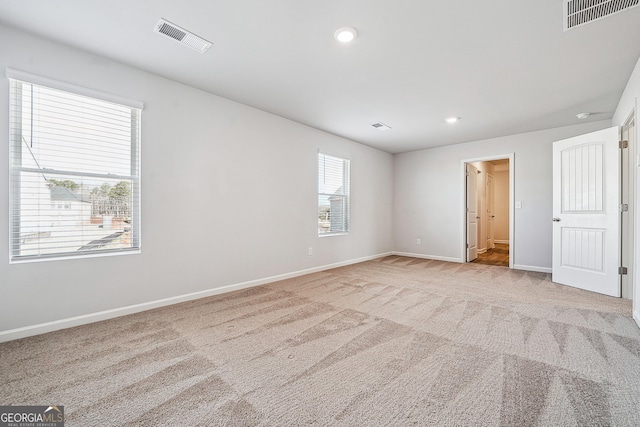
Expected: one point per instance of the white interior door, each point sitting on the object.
(472, 212)
(490, 211)
(586, 192)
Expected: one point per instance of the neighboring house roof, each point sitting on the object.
(63, 194)
(338, 192)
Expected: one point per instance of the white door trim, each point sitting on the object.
(629, 219)
(463, 202)
(636, 255)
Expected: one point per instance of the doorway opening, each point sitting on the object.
(488, 210)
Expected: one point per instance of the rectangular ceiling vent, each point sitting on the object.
(182, 36)
(580, 12)
(380, 126)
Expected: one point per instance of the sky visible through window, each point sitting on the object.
(75, 133)
(330, 174)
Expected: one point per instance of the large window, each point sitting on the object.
(333, 195)
(74, 171)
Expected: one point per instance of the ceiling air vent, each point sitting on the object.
(380, 126)
(580, 12)
(182, 36)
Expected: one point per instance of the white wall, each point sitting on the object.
(228, 196)
(501, 221)
(428, 186)
(628, 99)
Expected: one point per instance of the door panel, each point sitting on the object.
(472, 212)
(582, 178)
(586, 182)
(583, 248)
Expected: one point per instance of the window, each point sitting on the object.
(74, 171)
(333, 195)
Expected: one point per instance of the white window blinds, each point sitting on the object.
(333, 195)
(74, 174)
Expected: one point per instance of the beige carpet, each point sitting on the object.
(391, 342)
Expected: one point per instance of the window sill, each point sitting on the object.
(79, 256)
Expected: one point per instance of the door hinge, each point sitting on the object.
(622, 270)
(624, 144)
(467, 246)
(624, 207)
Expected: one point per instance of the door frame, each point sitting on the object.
(629, 220)
(634, 169)
(463, 202)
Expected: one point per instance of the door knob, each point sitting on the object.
(556, 219)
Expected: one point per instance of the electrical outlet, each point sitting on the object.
(310, 251)
(418, 241)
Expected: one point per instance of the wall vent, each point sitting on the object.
(182, 36)
(580, 12)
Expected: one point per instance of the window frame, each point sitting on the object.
(346, 197)
(17, 80)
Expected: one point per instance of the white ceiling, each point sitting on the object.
(504, 66)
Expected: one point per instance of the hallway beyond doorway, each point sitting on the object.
(497, 256)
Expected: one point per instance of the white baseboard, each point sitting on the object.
(532, 268)
(43, 328)
(501, 241)
(636, 316)
(481, 251)
(434, 257)
(441, 258)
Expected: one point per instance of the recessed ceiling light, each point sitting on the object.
(451, 119)
(583, 116)
(380, 126)
(345, 34)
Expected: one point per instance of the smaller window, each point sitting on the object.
(333, 195)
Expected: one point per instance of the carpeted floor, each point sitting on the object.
(391, 342)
